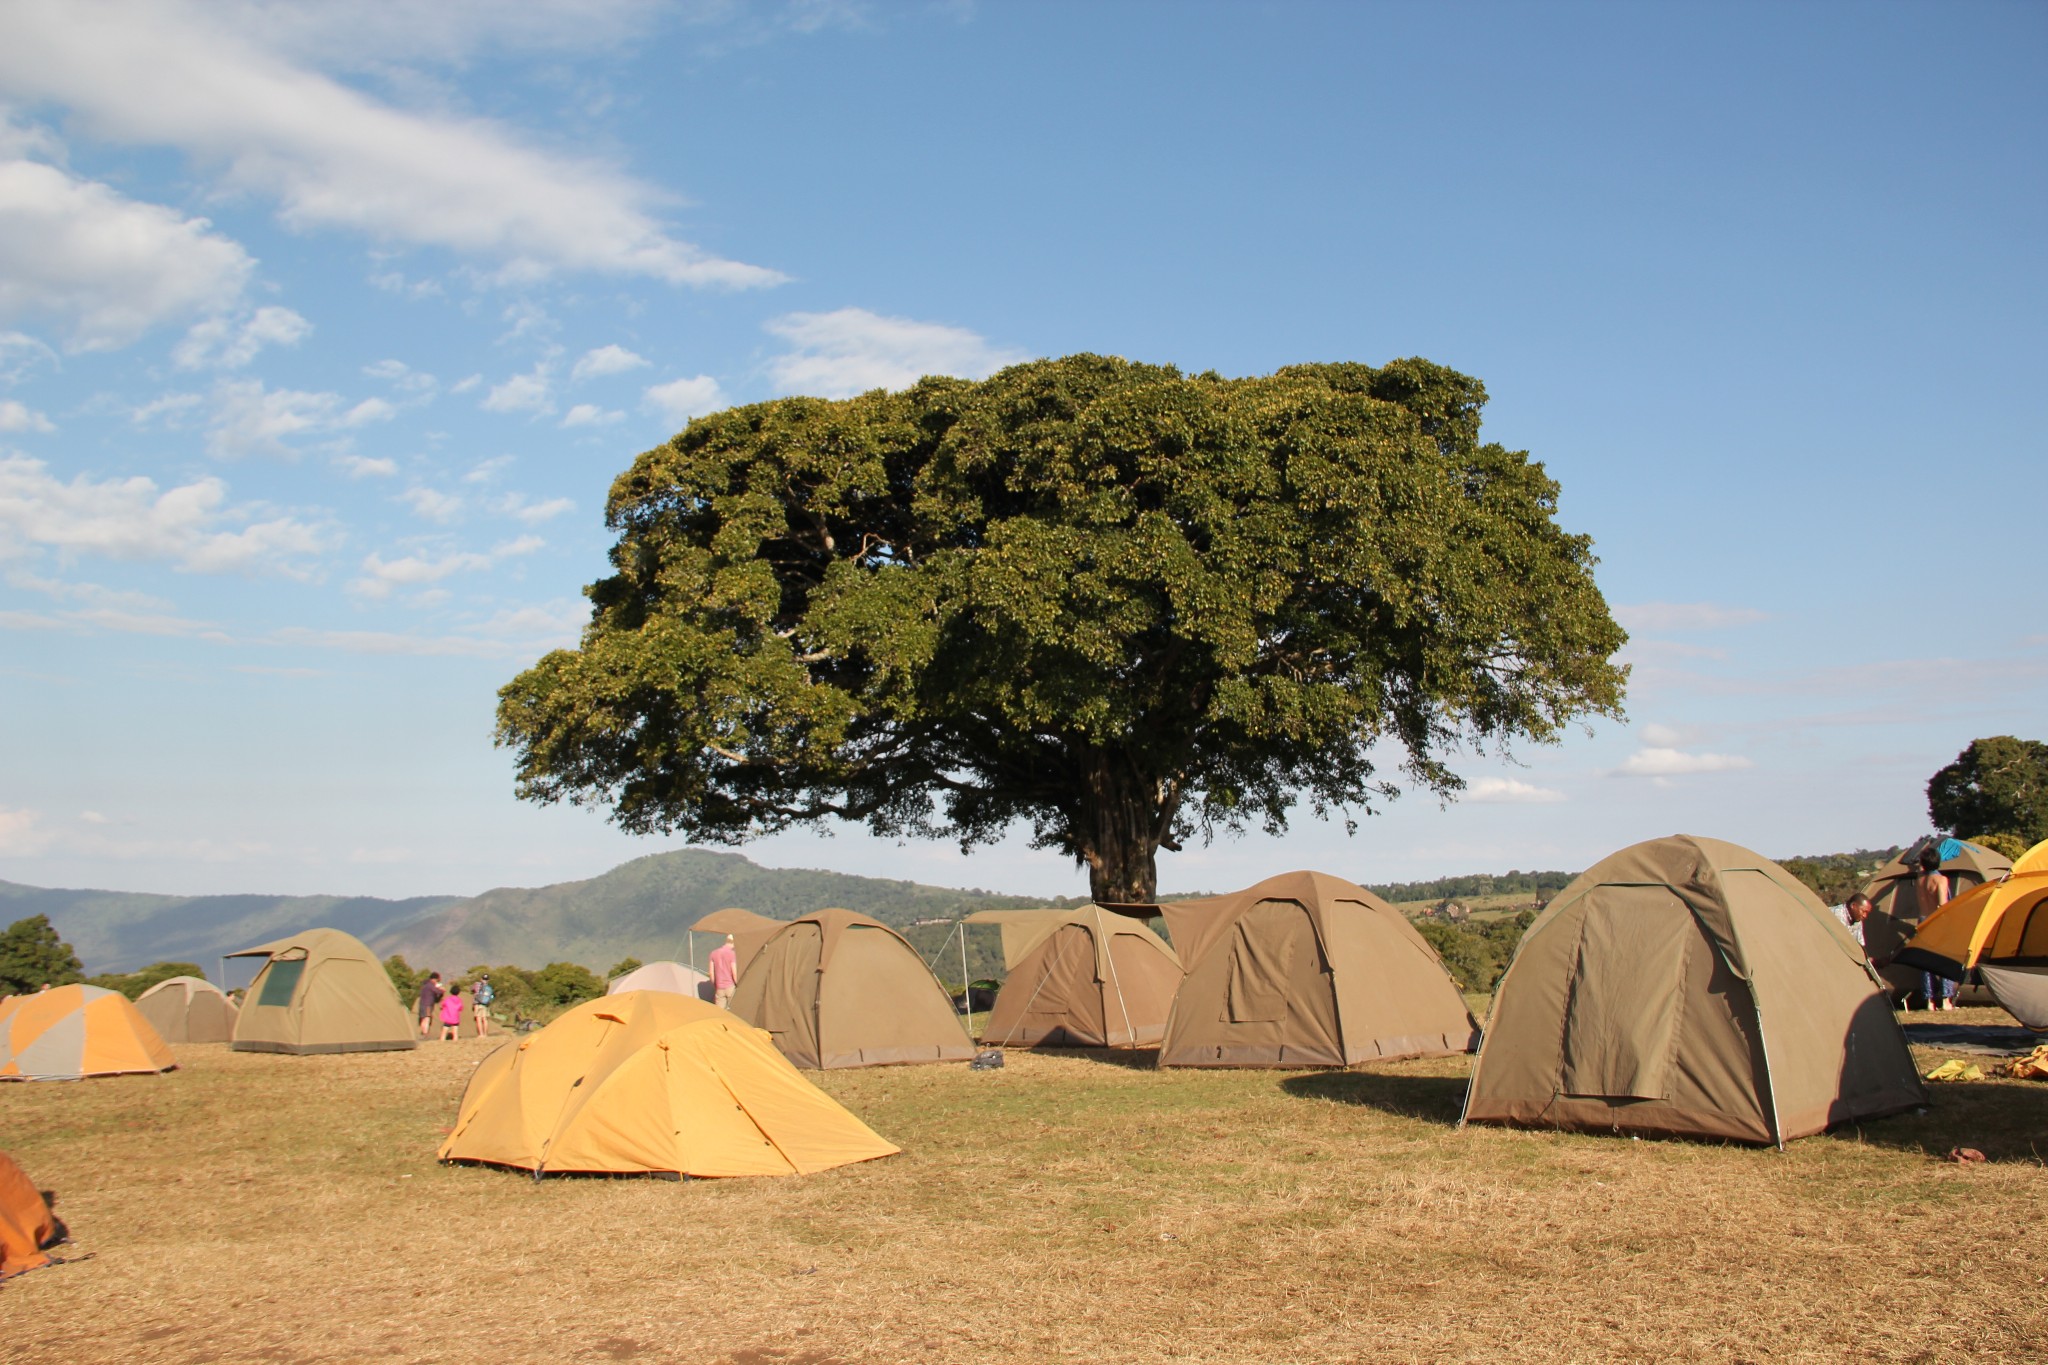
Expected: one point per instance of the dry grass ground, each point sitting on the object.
(264, 1208)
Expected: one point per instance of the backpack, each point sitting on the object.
(484, 994)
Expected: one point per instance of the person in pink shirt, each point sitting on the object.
(725, 971)
(451, 1014)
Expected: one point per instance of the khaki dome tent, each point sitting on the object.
(839, 989)
(186, 1009)
(1895, 906)
(1080, 978)
(322, 991)
(72, 1032)
(749, 931)
(1691, 988)
(1996, 934)
(672, 977)
(1306, 969)
(647, 1082)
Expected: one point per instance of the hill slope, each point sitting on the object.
(644, 908)
(115, 931)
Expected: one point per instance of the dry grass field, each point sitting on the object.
(265, 1208)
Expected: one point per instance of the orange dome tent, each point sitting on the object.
(26, 1223)
(73, 1032)
(651, 1082)
(1997, 933)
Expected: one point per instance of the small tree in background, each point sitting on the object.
(1998, 787)
(622, 966)
(32, 956)
(565, 983)
(403, 977)
(2011, 845)
(133, 984)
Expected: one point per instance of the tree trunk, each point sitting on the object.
(1123, 820)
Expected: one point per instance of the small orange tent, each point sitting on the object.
(1997, 933)
(73, 1032)
(26, 1223)
(652, 1082)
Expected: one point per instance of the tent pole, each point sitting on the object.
(966, 986)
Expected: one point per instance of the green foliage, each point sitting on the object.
(562, 983)
(1997, 786)
(622, 966)
(1477, 953)
(1834, 877)
(32, 956)
(2011, 845)
(1475, 885)
(133, 984)
(404, 978)
(1123, 604)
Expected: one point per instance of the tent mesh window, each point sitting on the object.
(282, 982)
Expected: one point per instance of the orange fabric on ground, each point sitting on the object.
(25, 1221)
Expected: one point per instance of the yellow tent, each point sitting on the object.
(72, 1032)
(1999, 933)
(652, 1082)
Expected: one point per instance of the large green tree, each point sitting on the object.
(1996, 786)
(32, 957)
(1122, 604)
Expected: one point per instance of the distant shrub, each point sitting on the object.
(564, 983)
(133, 984)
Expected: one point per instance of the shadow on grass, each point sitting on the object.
(1433, 1099)
(2007, 1121)
(1130, 1058)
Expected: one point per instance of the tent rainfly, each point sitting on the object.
(651, 1082)
(837, 989)
(321, 991)
(1306, 969)
(72, 1032)
(672, 977)
(1895, 905)
(26, 1224)
(749, 931)
(1996, 934)
(1688, 987)
(1086, 977)
(187, 1009)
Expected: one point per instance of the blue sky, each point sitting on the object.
(324, 328)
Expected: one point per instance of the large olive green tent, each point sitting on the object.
(1895, 905)
(187, 1009)
(837, 989)
(321, 991)
(1689, 987)
(1086, 977)
(1306, 969)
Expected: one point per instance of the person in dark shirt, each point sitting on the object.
(430, 1000)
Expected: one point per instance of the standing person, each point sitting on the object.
(430, 1000)
(482, 997)
(1852, 913)
(451, 1014)
(1932, 888)
(725, 972)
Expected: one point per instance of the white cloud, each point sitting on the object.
(1667, 762)
(415, 385)
(487, 471)
(533, 513)
(171, 408)
(382, 576)
(850, 351)
(516, 633)
(591, 415)
(19, 832)
(250, 419)
(605, 360)
(1685, 616)
(465, 385)
(16, 416)
(434, 506)
(229, 344)
(529, 392)
(190, 526)
(20, 353)
(363, 467)
(101, 267)
(232, 85)
(1511, 791)
(681, 399)
(1664, 736)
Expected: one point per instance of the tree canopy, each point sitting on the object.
(1121, 604)
(32, 957)
(1997, 786)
